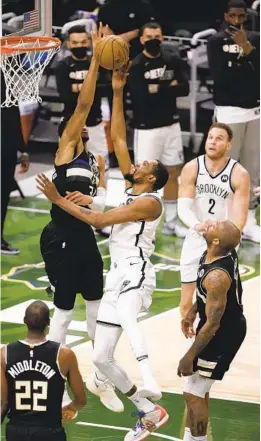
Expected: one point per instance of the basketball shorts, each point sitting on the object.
(128, 275)
(194, 246)
(73, 265)
(164, 144)
(21, 433)
(214, 361)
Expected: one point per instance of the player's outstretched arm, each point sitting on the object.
(241, 186)
(216, 284)
(118, 126)
(145, 208)
(4, 386)
(77, 121)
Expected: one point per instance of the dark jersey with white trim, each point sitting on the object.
(234, 307)
(81, 174)
(35, 384)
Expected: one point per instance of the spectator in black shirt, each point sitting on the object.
(125, 18)
(155, 80)
(70, 74)
(234, 60)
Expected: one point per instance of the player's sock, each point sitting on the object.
(187, 434)
(146, 373)
(59, 325)
(170, 211)
(141, 403)
(198, 438)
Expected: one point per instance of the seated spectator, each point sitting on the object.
(234, 57)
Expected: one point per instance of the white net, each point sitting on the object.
(23, 69)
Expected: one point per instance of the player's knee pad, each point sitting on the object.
(92, 308)
(197, 385)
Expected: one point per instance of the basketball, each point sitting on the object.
(113, 52)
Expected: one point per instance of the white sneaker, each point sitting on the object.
(251, 230)
(105, 390)
(147, 423)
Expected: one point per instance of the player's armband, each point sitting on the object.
(186, 213)
(98, 201)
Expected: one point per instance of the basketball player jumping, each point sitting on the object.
(131, 279)
(222, 326)
(33, 375)
(72, 259)
(213, 187)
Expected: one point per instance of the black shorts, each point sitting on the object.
(214, 361)
(21, 433)
(73, 264)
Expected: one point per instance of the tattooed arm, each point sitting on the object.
(216, 284)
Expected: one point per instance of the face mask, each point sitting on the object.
(153, 47)
(79, 52)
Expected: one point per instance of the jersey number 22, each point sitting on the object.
(33, 391)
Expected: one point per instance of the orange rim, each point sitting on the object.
(5, 41)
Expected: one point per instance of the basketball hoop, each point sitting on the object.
(23, 60)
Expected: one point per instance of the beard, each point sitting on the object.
(129, 177)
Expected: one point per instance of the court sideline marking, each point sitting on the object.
(105, 426)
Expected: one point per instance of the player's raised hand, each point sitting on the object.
(119, 77)
(47, 187)
(97, 34)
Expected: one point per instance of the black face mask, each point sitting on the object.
(153, 47)
(79, 52)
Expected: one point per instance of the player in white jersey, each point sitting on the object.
(131, 279)
(213, 187)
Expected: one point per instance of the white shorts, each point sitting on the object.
(194, 246)
(97, 143)
(197, 385)
(164, 144)
(129, 275)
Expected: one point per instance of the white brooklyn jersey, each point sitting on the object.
(134, 239)
(214, 194)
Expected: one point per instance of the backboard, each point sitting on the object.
(27, 17)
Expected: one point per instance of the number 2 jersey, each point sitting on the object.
(35, 384)
(214, 194)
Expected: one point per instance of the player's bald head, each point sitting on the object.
(37, 316)
(224, 235)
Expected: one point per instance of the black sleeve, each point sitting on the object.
(220, 72)
(64, 86)
(181, 75)
(254, 56)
